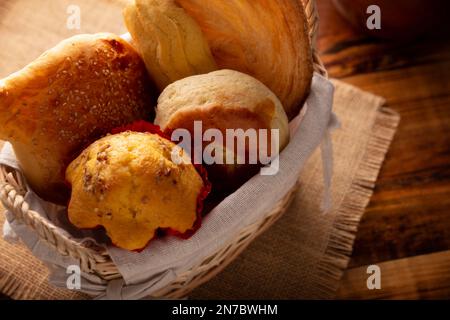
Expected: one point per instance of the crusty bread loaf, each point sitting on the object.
(222, 100)
(67, 98)
(266, 39)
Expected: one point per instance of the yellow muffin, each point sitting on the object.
(129, 184)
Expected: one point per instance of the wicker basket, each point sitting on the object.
(96, 260)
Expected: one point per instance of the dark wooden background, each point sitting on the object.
(406, 228)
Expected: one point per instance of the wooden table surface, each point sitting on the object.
(406, 228)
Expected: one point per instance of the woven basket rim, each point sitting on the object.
(95, 259)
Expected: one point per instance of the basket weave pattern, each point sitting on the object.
(94, 259)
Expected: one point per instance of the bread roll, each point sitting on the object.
(128, 184)
(67, 98)
(170, 41)
(224, 99)
(267, 39)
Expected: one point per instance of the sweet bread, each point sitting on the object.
(266, 39)
(170, 41)
(129, 184)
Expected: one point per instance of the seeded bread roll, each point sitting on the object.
(67, 98)
(222, 100)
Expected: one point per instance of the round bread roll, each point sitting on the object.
(129, 184)
(222, 100)
(66, 99)
(267, 39)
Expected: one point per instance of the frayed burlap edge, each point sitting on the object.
(340, 244)
(32, 284)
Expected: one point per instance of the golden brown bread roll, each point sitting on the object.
(129, 184)
(66, 99)
(266, 39)
(222, 100)
(170, 41)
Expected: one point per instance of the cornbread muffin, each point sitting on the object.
(129, 184)
(66, 99)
